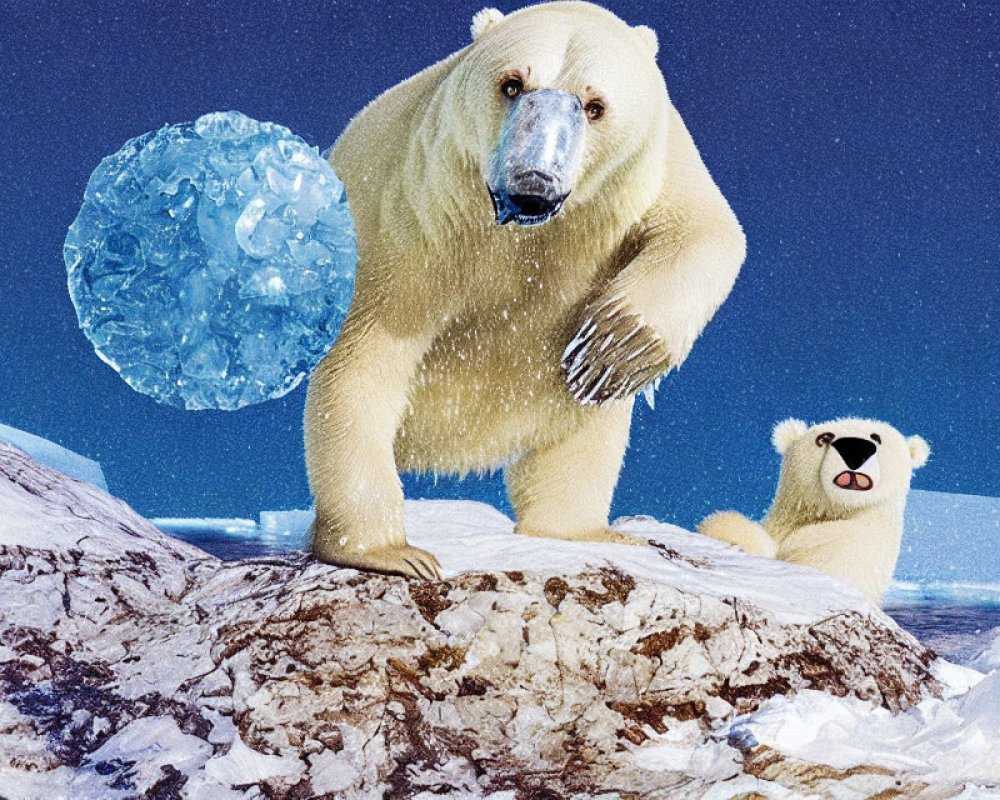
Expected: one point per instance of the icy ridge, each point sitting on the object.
(57, 456)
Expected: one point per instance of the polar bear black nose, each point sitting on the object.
(855, 452)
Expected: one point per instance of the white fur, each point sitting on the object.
(483, 20)
(785, 433)
(648, 37)
(851, 534)
(449, 359)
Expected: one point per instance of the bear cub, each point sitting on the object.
(839, 502)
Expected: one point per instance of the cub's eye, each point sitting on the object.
(594, 110)
(511, 87)
(824, 439)
(876, 438)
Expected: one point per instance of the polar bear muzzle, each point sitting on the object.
(536, 163)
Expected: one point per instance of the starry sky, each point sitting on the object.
(856, 141)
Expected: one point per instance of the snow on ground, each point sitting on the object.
(955, 740)
(468, 536)
(988, 656)
(950, 551)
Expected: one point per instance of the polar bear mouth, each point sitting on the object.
(854, 481)
(525, 209)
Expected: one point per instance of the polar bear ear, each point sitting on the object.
(649, 39)
(484, 20)
(785, 433)
(920, 451)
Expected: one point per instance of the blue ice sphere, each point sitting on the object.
(212, 262)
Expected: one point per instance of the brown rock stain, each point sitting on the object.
(617, 588)
(430, 598)
(653, 712)
(445, 657)
(556, 590)
(655, 644)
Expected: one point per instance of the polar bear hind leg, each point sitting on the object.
(563, 490)
(733, 528)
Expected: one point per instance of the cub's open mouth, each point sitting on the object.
(856, 481)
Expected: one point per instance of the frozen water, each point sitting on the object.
(286, 523)
(226, 525)
(53, 455)
(212, 262)
(950, 538)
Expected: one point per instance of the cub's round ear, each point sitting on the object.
(920, 451)
(785, 433)
(648, 37)
(484, 20)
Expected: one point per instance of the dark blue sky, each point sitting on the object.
(857, 143)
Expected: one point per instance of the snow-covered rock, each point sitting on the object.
(987, 657)
(132, 664)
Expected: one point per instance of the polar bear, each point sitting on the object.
(839, 503)
(538, 240)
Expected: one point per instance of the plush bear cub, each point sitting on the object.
(839, 504)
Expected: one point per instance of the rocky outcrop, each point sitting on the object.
(132, 664)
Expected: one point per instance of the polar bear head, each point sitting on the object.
(558, 101)
(845, 464)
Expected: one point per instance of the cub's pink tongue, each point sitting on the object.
(853, 480)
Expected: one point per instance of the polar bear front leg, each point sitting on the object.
(563, 490)
(688, 250)
(356, 399)
(735, 529)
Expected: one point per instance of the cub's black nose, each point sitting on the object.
(854, 451)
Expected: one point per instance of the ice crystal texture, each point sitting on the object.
(212, 262)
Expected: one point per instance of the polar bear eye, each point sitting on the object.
(876, 438)
(512, 87)
(594, 109)
(824, 439)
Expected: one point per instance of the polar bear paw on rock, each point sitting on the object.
(839, 503)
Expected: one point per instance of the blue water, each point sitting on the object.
(857, 143)
(226, 546)
(931, 620)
